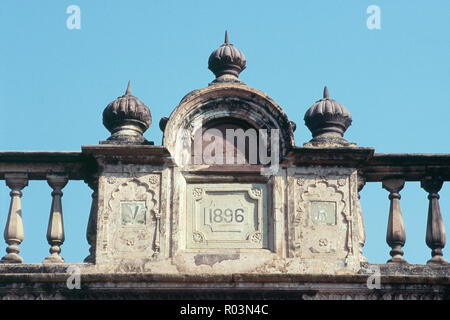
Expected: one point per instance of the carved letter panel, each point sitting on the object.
(131, 216)
(325, 221)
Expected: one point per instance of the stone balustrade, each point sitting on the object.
(272, 217)
(431, 171)
(392, 170)
(57, 168)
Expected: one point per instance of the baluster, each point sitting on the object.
(55, 231)
(435, 236)
(91, 231)
(14, 227)
(395, 236)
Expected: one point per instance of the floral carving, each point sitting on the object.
(197, 193)
(256, 237)
(111, 180)
(323, 242)
(153, 179)
(198, 237)
(256, 192)
(300, 181)
(341, 182)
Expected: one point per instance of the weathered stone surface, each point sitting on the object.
(223, 101)
(325, 220)
(398, 282)
(227, 60)
(227, 215)
(165, 226)
(127, 118)
(328, 120)
(130, 213)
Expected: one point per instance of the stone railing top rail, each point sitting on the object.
(412, 167)
(374, 166)
(37, 164)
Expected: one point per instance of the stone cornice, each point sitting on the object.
(136, 154)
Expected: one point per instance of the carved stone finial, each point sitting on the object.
(127, 119)
(227, 62)
(328, 120)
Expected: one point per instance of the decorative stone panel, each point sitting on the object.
(130, 215)
(325, 218)
(226, 215)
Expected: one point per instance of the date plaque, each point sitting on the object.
(226, 216)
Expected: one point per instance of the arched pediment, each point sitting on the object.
(225, 105)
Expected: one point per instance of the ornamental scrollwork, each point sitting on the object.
(256, 192)
(153, 179)
(255, 237)
(198, 237)
(197, 193)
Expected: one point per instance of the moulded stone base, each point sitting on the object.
(397, 260)
(53, 259)
(437, 260)
(12, 258)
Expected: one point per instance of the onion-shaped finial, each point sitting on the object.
(227, 62)
(127, 119)
(328, 120)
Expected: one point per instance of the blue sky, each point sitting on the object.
(55, 83)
